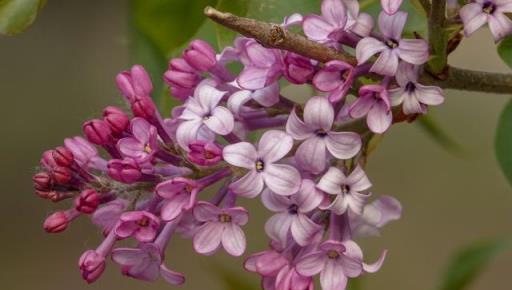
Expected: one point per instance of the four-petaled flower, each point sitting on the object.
(476, 14)
(143, 144)
(311, 155)
(374, 103)
(280, 178)
(221, 227)
(142, 225)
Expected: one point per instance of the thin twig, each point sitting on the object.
(274, 36)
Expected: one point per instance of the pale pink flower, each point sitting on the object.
(263, 66)
(142, 225)
(479, 12)
(375, 215)
(179, 194)
(280, 178)
(143, 144)
(374, 103)
(391, 6)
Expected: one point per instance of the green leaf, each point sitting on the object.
(275, 10)
(18, 15)
(226, 36)
(503, 142)
(469, 263)
(505, 50)
(429, 125)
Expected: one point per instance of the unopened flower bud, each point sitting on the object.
(43, 194)
(88, 201)
(200, 55)
(97, 132)
(298, 69)
(116, 118)
(61, 175)
(135, 82)
(91, 265)
(126, 171)
(204, 153)
(143, 106)
(42, 181)
(57, 196)
(56, 222)
(63, 156)
(47, 160)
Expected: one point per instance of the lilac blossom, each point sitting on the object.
(203, 117)
(179, 194)
(479, 12)
(413, 96)
(280, 178)
(142, 225)
(221, 226)
(135, 82)
(143, 143)
(267, 97)
(348, 189)
(336, 78)
(375, 215)
(319, 138)
(392, 47)
(391, 6)
(263, 66)
(292, 214)
(374, 103)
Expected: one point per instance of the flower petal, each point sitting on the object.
(429, 95)
(343, 145)
(303, 229)
(386, 64)
(242, 154)
(317, 28)
(233, 240)
(368, 47)
(274, 145)
(358, 180)
(253, 78)
(208, 238)
(282, 179)
(278, 226)
(391, 6)
(205, 211)
(473, 17)
(311, 264)
(334, 12)
(237, 100)
(500, 26)
(361, 106)
(392, 25)
(319, 113)
(173, 278)
(267, 96)
(332, 276)
(379, 118)
(413, 51)
(221, 121)
(187, 132)
(364, 25)
(308, 197)
(274, 202)
(173, 208)
(250, 185)
(311, 155)
(372, 268)
(296, 128)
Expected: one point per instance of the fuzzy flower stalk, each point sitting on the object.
(147, 177)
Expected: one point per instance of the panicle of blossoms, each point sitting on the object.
(143, 176)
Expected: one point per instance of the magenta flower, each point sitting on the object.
(476, 14)
(263, 66)
(346, 188)
(331, 78)
(319, 139)
(221, 227)
(141, 225)
(391, 6)
(392, 48)
(92, 265)
(414, 96)
(143, 143)
(292, 214)
(200, 55)
(84, 153)
(204, 153)
(373, 102)
(124, 170)
(135, 82)
(280, 178)
(145, 263)
(267, 263)
(180, 194)
(298, 69)
(182, 78)
(375, 215)
(202, 117)
(336, 262)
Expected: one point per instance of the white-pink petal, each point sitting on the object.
(208, 238)
(233, 239)
(343, 145)
(242, 154)
(379, 118)
(274, 145)
(368, 47)
(221, 121)
(319, 113)
(282, 179)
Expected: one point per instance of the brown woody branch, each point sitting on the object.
(274, 36)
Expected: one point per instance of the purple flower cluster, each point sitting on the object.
(152, 186)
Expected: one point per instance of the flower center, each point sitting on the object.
(391, 43)
(333, 255)
(189, 188)
(143, 222)
(345, 188)
(293, 209)
(224, 218)
(259, 165)
(320, 133)
(147, 148)
(489, 7)
(206, 117)
(208, 155)
(410, 87)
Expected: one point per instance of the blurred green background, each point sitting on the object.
(61, 72)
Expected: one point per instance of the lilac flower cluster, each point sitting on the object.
(154, 183)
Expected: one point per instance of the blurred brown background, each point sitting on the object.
(62, 71)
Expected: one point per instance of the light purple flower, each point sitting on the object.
(326, 28)
(289, 279)
(319, 139)
(336, 262)
(348, 189)
(373, 102)
(108, 215)
(336, 78)
(145, 263)
(476, 14)
(414, 96)
(143, 144)
(263, 66)
(203, 117)
(266, 263)
(391, 6)
(375, 215)
(180, 195)
(358, 23)
(221, 227)
(280, 178)
(392, 48)
(142, 225)
(267, 97)
(292, 214)
(84, 153)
